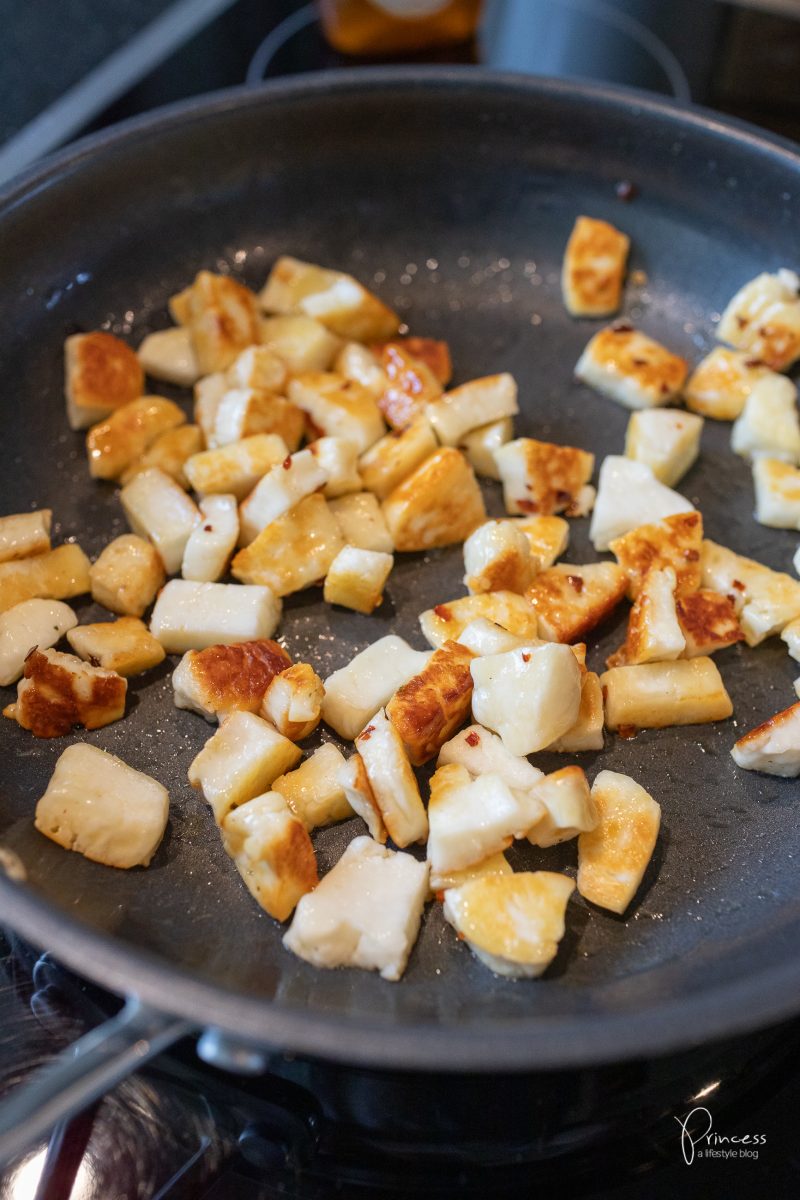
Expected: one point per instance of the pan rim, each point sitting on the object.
(723, 1010)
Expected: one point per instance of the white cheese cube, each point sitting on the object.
(242, 412)
(629, 495)
(482, 752)
(654, 632)
(613, 856)
(568, 807)
(336, 299)
(667, 440)
(446, 622)
(59, 692)
(769, 424)
(497, 557)
(303, 343)
(720, 384)
(338, 458)
(294, 551)
(472, 405)
(790, 635)
(356, 579)
(208, 393)
(169, 355)
(55, 575)
(293, 701)
(338, 407)
(127, 575)
(235, 469)
(481, 445)
(281, 488)
(354, 693)
(773, 747)
(126, 646)
(25, 534)
(32, 623)
(313, 790)
(766, 600)
(473, 818)
(777, 488)
(361, 522)
(548, 537)
(360, 796)
(483, 637)
(764, 319)
(395, 456)
(191, 616)
(544, 478)
(439, 504)
(223, 679)
(258, 367)
(392, 780)
(594, 268)
(654, 695)
(631, 368)
(211, 542)
(240, 761)
(272, 852)
(587, 732)
(362, 365)
(158, 509)
(530, 697)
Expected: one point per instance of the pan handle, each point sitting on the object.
(83, 1072)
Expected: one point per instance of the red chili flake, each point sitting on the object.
(440, 896)
(664, 389)
(626, 190)
(526, 657)
(639, 362)
(622, 327)
(741, 322)
(365, 735)
(627, 732)
(94, 661)
(473, 739)
(287, 462)
(740, 587)
(208, 528)
(576, 582)
(529, 506)
(443, 612)
(563, 497)
(691, 555)
(754, 362)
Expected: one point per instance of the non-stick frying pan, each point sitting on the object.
(452, 193)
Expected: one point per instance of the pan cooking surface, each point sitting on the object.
(453, 199)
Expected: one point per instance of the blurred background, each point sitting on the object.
(71, 66)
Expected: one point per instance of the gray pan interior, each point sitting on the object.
(452, 194)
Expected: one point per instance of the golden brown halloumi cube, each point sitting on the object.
(708, 622)
(548, 537)
(284, 486)
(480, 445)
(114, 444)
(763, 318)
(223, 679)
(356, 579)
(258, 367)
(675, 542)
(334, 298)
(667, 440)
(428, 709)
(272, 852)
(720, 384)
(37, 622)
(55, 575)
(301, 342)
(569, 807)
(410, 385)
(613, 857)
(361, 522)
(393, 457)
(313, 790)
(434, 353)
(777, 487)
(360, 796)
(58, 691)
(101, 374)
(360, 363)
(208, 393)
(654, 632)
(530, 696)
(540, 477)
(240, 761)
(438, 504)
(495, 864)
(766, 600)
(594, 268)
(22, 535)
(169, 452)
(168, 355)
(337, 407)
(222, 318)
(292, 552)
(235, 469)
(497, 557)
(245, 412)
(392, 780)
(570, 600)
(473, 818)
(587, 732)
(293, 701)
(158, 509)
(628, 366)
(127, 575)
(654, 695)
(473, 404)
(769, 422)
(126, 646)
(773, 747)
(446, 622)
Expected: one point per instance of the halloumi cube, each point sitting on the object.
(393, 457)
(361, 523)
(438, 504)
(481, 444)
(587, 732)
(113, 444)
(675, 542)
(55, 575)
(284, 486)
(313, 790)
(654, 695)
(540, 477)
(790, 635)
(244, 412)
(58, 692)
(338, 458)
(101, 373)
(720, 384)
(764, 319)
(410, 385)
(258, 367)
(98, 806)
(169, 452)
(40, 623)
(495, 864)
(272, 852)
(433, 352)
(235, 469)
(569, 808)
(769, 424)
(168, 355)
(360, 363)
(364, 913)
(613, 857)
(293, 701)
(777, 487)
(127, 575)
(471, 818)
(530, 697)
(570, 600)
(126, 646)
(548, 537)
(773, 747)
(667, 440)
(222, 318)
(360, 796)
(355, 693)
(292, 552)
(766, 600)
(472, 405)
(654, 632)
(338, 407)
(447, 622)
(158, 509)
(392, 780)
(23, 535)
(240, 761)
(482, 752)
(191, 616)
(428, 708)
(356, 579)
(594, 268)
(484, 637)
(339, 301)
(708, 622)
(628, 366)
(512, 923)
(629, 495)
(211, 543)
(497, 557)
(208, 393)
(219, 680)
(301, 342)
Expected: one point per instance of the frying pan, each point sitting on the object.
(452, 193)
